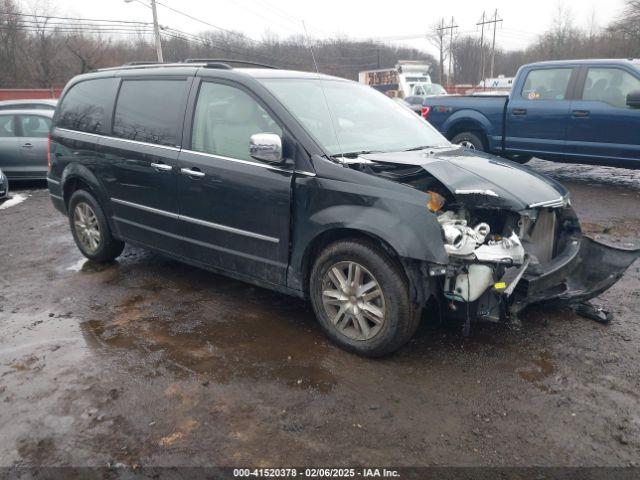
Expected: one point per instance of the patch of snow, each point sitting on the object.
(14, 200)
(76, 267)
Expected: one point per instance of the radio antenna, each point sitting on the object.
(324, 94)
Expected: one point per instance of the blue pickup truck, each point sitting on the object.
(585, 111)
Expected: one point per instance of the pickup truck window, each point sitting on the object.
(546, 84)
(609, 85)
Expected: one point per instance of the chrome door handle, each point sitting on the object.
(162, 167)
(27, 145)
(580, 113)
(192, 173)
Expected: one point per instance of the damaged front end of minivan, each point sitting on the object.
(511, 235)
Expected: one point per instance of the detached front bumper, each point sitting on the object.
(584, 270)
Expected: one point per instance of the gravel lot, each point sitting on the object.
(151, 362)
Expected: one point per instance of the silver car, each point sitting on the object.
(29, 104)
(23, 143)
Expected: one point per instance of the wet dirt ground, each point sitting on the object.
(151, 362)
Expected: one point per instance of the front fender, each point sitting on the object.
(408, 230)
(477, 119)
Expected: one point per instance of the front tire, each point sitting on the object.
(469, 140)
(90, 228)
(361, 299)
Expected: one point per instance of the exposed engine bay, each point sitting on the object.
(508, 246)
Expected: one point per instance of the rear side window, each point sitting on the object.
(150, 111)
(609, 85)
(7, 127)
(87, 106)
(34, 126)
(547, 84)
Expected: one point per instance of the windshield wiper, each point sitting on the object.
(356, 154)
(424, 147)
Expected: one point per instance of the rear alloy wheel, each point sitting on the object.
(361, 298)
(469, 140)
(90, 228)
(86, 226)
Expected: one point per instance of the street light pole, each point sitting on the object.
(156, 31)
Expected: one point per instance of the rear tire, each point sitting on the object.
(469, 140)
(90, 228)
(372, 293)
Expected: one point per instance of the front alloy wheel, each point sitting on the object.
(360, 296)
(85, 223)
(353, 300)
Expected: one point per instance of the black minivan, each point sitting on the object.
(317, 187)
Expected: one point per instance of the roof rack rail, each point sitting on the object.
(224, 62)
(143, 62)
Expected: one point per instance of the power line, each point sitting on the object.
(12, 14)
(187, 15)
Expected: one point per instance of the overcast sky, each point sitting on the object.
(388, 20)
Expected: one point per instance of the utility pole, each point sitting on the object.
(441, 31)
(156, 27)
(156, 31)
(493, 45)
(484, 22)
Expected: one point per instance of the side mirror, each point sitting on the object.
(266, 147)
(633, 99)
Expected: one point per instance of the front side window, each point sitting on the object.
(547, 84)
(348, 117)
(34, 126)
(224, 120)
(87, 106)
(7, 126)
(150, 111)
(609, 85)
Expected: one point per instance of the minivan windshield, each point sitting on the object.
(360, 119)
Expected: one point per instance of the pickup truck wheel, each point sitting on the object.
(469, 140)
(361, 299)
(90, 228)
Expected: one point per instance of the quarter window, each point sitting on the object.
(609, 85)
(35, 126)
(547, 84)
(225, 118)
(87, 106)
(7, 128)
(150, 111)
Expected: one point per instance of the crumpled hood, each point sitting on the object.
(481, 178)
